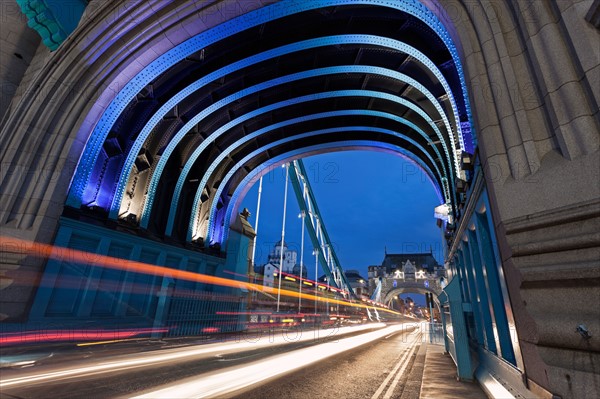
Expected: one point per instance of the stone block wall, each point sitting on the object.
(532, 69)
(18, 46)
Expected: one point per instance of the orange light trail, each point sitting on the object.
(74, 335)
(98, 260)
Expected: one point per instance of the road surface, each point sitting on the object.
(371, 361)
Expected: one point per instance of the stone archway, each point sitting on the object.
(410, 289)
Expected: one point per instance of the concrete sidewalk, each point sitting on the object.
(439, 378)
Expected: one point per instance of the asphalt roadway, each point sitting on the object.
(391, 367)
(376, 362)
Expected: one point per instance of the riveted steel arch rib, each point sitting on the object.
(240, 164)
(244, 185)
(210, 170)
(339, 93)
(192, 231)
(213, 35)
(270, 54)
(269, 84)
(211, 237)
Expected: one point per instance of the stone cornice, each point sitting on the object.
(553, 217)
(593, 14)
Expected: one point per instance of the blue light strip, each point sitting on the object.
(311, 97)
(214, 165)
(193, 225)
(245, 184)
(272, 83)
(226, 29)
(196, 205)
(277, 52)
(248, 157)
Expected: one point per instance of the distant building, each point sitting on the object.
(358, 283)
(268, 271)
(271, 268)
(408, 267)
(289, 257)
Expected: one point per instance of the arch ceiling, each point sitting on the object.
(179, 143)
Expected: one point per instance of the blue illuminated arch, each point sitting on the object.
(226, 29)
(244, 185)
(311, 97)
(283, 50)
(213, 166)
(224, 154)
(272, 83)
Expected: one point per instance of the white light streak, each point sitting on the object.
(235, 378)
(187, 353)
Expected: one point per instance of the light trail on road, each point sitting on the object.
(187, 353)
(239, 377)
(97, 260)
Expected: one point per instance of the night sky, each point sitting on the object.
(369, 201)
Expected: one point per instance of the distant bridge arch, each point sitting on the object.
(410, 288)
(391, 285)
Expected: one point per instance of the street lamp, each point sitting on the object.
(316, 254)
(286, 166)
(302, 215)
(257, 218)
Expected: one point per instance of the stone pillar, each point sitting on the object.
(532, 71)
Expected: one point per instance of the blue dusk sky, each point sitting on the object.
(368, 200)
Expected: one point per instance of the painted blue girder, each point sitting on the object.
(277, 52)
(311, 97)
(361, 69)
(192, 231)
(196, 204)
(299, 167)
(297, 172)
(212, 236)
(219, 32)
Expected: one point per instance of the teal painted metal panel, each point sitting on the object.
(486, 316)
(74, 294)
(53, 20)
(476, 323)
(495, 290)
(456, 330)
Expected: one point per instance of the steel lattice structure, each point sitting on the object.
(317, 232)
